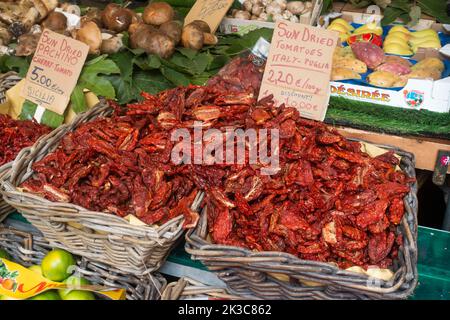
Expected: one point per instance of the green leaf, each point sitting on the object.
(124, 60)
(13, 63)
(201, 62)
(96, 59)
(147, 62)
(360, 4)
(52, 119)
(106, 66)
(28, 110)
(390, 15)
(78, 100)
(125, 91)
(49, 118)
(218, 62)
(99, 85)
(151, 82)
(435, 8)
(188, 53)
(177, 78)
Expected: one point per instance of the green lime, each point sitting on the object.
(4, 254)
(57, 265)
(79, 295)
(73, 281)
(36, 269)
(47, 295)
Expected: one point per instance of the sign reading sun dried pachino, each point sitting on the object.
(298, 68)
(54, 71)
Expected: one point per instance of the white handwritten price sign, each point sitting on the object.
(54, 71)
(210, 11)
(298, 68)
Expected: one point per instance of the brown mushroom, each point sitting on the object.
(91, 35)
(194, 38)
(136, 29)
(154, 42)
(55, 21)
(27, 44)
(94, 15)
(116, 18)
(202, 25)
(172, 29)
(111, 43)
(157, 13)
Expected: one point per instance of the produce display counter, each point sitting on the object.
(433, 263)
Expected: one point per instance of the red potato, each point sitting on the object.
(369, 53)
(395, 68)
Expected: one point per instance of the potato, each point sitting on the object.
(398, 60)
(344, 52)
(382, 79)
(431, 73)
(401, 82)
(343, 74)
(429, 63)
(369, 53)
(394, 67)
(352, 64)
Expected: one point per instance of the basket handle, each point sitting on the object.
(27, 237)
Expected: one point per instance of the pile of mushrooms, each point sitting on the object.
(158, 33)
(273, 10)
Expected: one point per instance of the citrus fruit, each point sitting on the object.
(47, 295)
(36, 269)
(74, 281)
(57, 264)
(4, 254)
(79, 295)
(8, 284)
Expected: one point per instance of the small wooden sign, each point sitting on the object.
(210, 11)
(298, 68)
(54, 71)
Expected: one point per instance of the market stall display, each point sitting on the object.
(105, 178)
(29, 249)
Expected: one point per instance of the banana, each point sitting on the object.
(398, 34)
(395, 48)
(395, 40)
(423, 33)
(426, 44)
(416, 41)
(337, 27)
(401, 29)
(343, 37)
(369, 28)
(343, 23)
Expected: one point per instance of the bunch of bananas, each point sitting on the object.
(401, 41)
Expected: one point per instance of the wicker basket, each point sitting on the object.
(278, 275)
(29, 248)
(98, 236)
(189, 289)
(7, 81)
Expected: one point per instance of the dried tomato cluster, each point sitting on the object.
(16, 135)
(327, 200)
